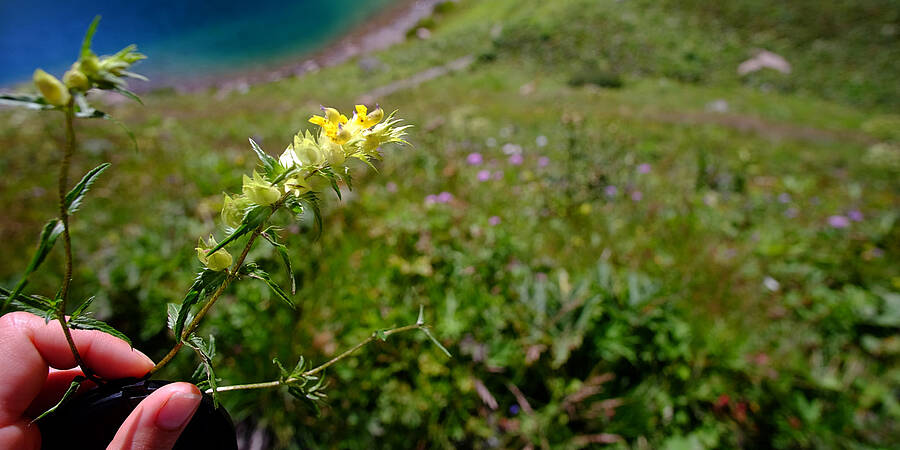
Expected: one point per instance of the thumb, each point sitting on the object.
(159, 419)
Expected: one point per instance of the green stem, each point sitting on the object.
(313, 371)
(68, 150)
(191, 327)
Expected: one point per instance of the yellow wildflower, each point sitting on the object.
(260, 191)
(54, 92)
(220, 260)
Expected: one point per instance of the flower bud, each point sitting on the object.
(260, 191)
(74, 78)
(90, 65)
(233, 210)
(374, 117)
(54, 92)
(220, 260)
(334, 153)
(297, 186)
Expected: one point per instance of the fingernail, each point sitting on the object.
(144, 357)
(177, 410)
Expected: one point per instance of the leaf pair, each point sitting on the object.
(54, 228)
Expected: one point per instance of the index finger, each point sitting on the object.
(29, 347)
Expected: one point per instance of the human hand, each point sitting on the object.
(36, 368)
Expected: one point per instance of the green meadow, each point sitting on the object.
(621, 240)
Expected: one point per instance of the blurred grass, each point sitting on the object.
(666, 289)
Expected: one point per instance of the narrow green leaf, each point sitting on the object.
(270, 164)
(88, 37)
(171, 315)
(25, 101)
(282, 250)
(300, 395)
(35, 304)
(49, 234)
(136, 76)
(436, 342)
(73, 388)
(204, 285)
(253, 219)
(90, 323)
(310, 201)
(206, 353)
(82, 307)
(255, 272)
(123, 127)
(76, 195)
(125, 92)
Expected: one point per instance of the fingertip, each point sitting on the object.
(180, 406)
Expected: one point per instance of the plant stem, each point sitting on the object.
(315, 370)
(68, 150)
(191, 327)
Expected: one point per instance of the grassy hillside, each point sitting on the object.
(652, 252)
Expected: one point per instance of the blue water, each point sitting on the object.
(182, 38)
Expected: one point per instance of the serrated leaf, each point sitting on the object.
(255, 272)
(284, 373)
(436, 342)
(204, 285)
(82, 307)
(35, 304)
(300, 395)
(310, 201)
(171, 315)
(282, 250)
(73, 388)
(90, 323)
(76, 195)
(270, 164)
(206, 353)
(252, 219)
(52, 230)
(25, 101)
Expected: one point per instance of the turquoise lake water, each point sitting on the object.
(182, 38)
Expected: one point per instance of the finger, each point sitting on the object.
(28, 345)
(57, 383)
(159, 419)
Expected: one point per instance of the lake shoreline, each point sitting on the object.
(384, 29)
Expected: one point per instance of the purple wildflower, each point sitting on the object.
(494, 221)
(391, 186)
(484, 175)
(855, 215)
(611, 191)
(637, 196)
(514, 409)
(516, 159)
(791, 213)
(498, 175)
(543, 161)
(838, 221)
(444, 197)
(643, 168)
(430, 199)
(784, 197)
(474, 159)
